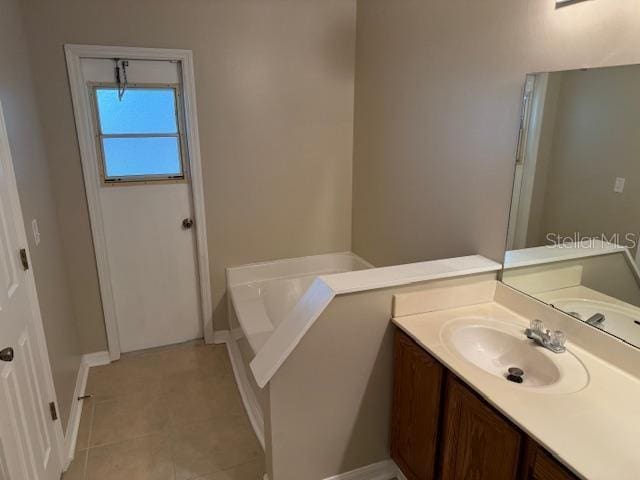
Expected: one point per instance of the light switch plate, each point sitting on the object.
(618, 187)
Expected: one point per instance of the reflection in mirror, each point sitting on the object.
(575, 212)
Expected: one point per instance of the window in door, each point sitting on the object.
(139, 133)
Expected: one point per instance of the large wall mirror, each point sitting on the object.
(575, 211)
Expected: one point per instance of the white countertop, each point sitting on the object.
(594, 431)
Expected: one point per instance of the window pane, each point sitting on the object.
(141, 156)
(141, 110)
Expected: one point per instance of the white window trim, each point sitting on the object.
(88, 155)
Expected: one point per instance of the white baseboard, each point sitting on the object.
(400, 475)
(385, 470)
(73, 424)
(220, 336)
(96, 359)
(249, 399)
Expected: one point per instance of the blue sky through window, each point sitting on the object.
(141, 110)
(141, 156)
(148, 113)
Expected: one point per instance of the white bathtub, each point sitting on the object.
(272, 305)
(263, 294)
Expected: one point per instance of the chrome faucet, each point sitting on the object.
(553, 341)
(596, 319)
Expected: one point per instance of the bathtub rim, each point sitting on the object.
(241, 280)
(269, 270)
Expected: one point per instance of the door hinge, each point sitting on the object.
(53, 410)
(24, 259)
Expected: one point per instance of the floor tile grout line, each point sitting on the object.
(86, 463)
(162, 433)
(171, 424)
(222, 470)
(173, 460)
(167, 431)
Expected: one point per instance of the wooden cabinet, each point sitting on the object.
(416, 409)
(443, 430)
(477, 443)
(539, 465)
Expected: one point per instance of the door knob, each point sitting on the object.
(187, 223)
(6, 354)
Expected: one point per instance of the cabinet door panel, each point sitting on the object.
(478, 443)
(539, 465)
(416, 408)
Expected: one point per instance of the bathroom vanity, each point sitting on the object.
(441, 428)
(459, 412)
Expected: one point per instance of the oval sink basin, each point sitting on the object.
(496, 346)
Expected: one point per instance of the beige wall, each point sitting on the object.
(32, 173)
(275, 85)
(438, 91)
(595, 140)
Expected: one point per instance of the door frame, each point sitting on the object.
(6, 160)
(84, 126)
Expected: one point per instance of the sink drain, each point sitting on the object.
(515, 375)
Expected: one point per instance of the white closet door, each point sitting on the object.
(28, 441)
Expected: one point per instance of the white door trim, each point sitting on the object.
(82, 112)
(41, 342)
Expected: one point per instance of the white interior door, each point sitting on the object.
(28, 436)
(151, 255)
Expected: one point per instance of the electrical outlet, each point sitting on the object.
(618, 187)
(36, 231)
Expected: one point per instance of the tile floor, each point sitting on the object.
(166, 414)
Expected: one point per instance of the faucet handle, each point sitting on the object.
(558, 338)
(537, 325)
